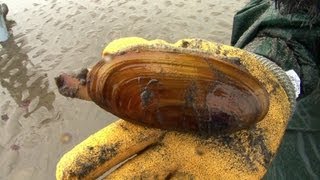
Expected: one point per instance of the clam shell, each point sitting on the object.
(178, 89)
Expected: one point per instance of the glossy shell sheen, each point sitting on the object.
(178, 90)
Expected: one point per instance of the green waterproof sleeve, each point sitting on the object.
(293, 42)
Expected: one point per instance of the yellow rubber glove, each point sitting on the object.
(147, 153)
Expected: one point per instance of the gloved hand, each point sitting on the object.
(148, 153)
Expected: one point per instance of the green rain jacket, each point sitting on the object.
(293, 42)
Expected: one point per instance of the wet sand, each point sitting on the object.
(37, 124)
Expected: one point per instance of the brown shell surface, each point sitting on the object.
(178, 91)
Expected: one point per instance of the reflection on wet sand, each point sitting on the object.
(24, 91)
(24, 85)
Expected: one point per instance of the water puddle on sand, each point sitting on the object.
(38, 125)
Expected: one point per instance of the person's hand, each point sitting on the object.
(124, 150)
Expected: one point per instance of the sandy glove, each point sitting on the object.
(150, 153)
